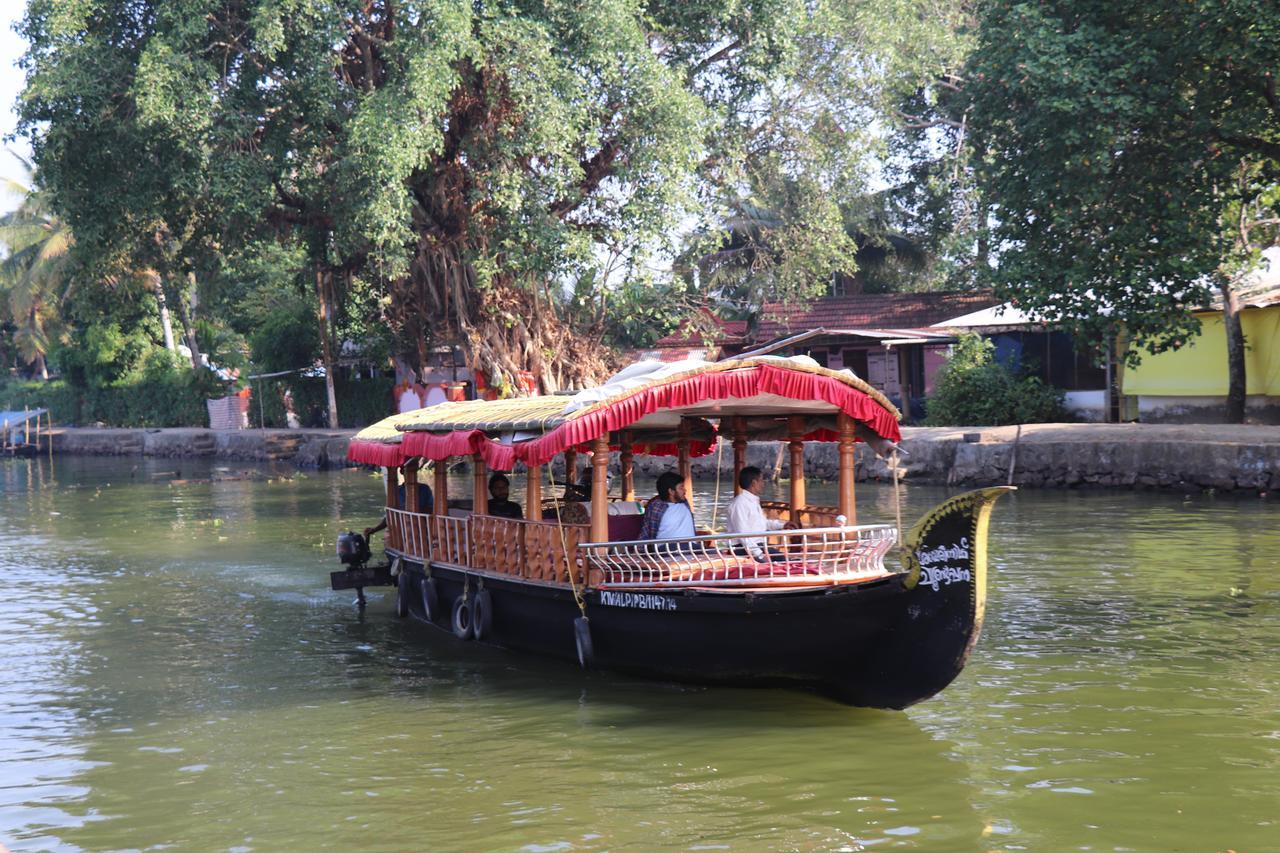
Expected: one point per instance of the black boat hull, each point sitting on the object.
(888, 643)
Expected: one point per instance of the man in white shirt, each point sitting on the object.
(746, 516)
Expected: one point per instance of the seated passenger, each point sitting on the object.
(576, 506)
(668, 515)
(746, 516)
(499, 498)
(426, 503)
(581, 490)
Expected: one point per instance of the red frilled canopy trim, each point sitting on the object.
(499, 457)
(691, 390)
(620, 414)
(375, 453)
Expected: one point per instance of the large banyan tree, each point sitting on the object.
(469, 157)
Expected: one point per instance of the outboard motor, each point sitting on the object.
(353, 550)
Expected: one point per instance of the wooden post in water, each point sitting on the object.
(627, 460)
(795, 425)
(441, 496)
(26, 425)
(533, 492)
(685, 467)
(600, 489)
(848, 505)
(739, 451)
(480, 503)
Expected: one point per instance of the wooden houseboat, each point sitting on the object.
(831, 610)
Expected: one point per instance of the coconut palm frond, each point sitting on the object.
(56, 246)
(34, 276)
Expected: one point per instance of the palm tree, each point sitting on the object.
(34, 272)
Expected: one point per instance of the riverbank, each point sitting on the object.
(1140, 456)
(303, 448)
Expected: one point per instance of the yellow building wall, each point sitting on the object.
(1200, 368)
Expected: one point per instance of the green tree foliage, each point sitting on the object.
(34, 275)
(462, 160)
(975, 389)
(1133, 154)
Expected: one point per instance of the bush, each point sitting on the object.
(162, 394)
(360, 401)
(974, 389)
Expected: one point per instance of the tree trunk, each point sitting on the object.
(166, 324)
(1235, 354)
(186, 313)
(39, 367)
(326, 339)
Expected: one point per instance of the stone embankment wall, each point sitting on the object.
(302, 448)
(1153, 456)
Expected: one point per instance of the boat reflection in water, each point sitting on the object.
(824, 612)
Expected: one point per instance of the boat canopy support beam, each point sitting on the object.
(795, 426)
(533, 492)
(847, 500)
(685, 466)
(600, 489)
(411, 486)
(627, 460)
(480, 503)
(739, 451)
(441, 496)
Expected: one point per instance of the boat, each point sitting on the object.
(16, 435)
(860, 612)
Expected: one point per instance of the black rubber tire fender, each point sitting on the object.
(582, 636)
(430, 599)
(403, 586)
(482, 615)
(463, 623)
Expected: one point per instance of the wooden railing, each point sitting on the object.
(551, 550)
(531, 550)
(450, 539)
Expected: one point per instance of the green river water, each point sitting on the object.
(177, 675)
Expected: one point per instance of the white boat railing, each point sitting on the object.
(812, 556)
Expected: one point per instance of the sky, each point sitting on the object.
(11, 80)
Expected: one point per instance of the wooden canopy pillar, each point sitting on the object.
(533, 492)
(442, 487)
(393, 493)
(570, 469)
(627, 460)
(684, 464)
(480, 503)
(739, 451)
(848, 506)
(600, 489)
(411, 486)
(795, 429)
